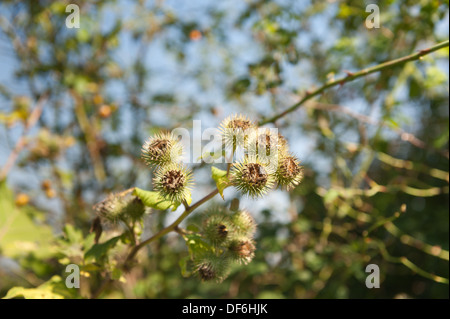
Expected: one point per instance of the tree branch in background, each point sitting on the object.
(90, 136)
(34, 117)
(405, 136)
(353, 76)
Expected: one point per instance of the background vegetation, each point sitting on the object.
(77, 104)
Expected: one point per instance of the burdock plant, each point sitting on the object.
(225, 235)
(227, 238)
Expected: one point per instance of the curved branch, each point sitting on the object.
(353, 76)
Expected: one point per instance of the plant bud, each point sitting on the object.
(111, 209)
(135, 209)
(212, 267)
(216, 228)
(22, 199)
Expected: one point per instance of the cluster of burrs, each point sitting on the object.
(225, 236)
(266, 162)
(228, 238)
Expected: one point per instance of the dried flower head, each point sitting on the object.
(252, 177)
(289, 173)
(161, 149)
(235, 130)
(173, 182)
(242, 250)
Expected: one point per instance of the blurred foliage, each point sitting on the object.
(376, 149)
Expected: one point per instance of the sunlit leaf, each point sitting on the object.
(221, 179)
(98, 251)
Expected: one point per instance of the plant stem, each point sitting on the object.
(353, 76)
(169, 228)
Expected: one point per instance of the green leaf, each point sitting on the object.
(100, 250)
(193, 228)
(89, 241)
(154, 200)
(74, 236)
(221, 179)
(393, 123)
(330, 196)
(116, 274)
(196, 245)
(90, 268)
(188, 201)
(51, 289)
(183, 265)
(83, 35)
(19, 233)
(210, 156)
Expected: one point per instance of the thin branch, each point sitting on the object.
(353, 76)
(435, 250)
(171, 227)
(406, 262)
(34, 117)
(405, 136)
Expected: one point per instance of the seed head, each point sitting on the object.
(243, 223)
(161, 149)
(206, 271)
(252, 177)
(134, 209)
(212, 267)
(289, 173)
(242, 250)
(120, 207)
(173, 182)
(217, 227)
(235, 130)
